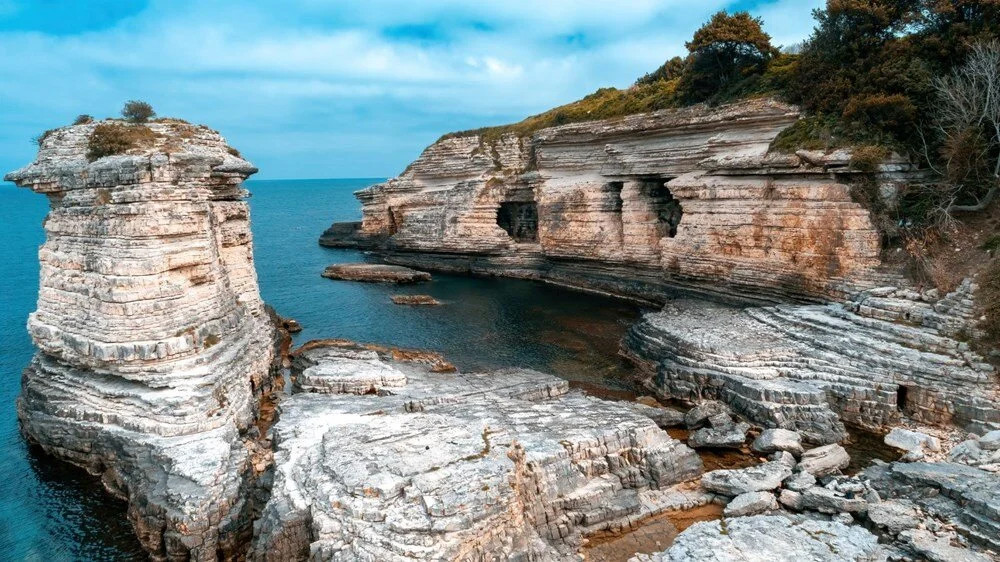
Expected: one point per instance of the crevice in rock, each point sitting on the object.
(668, 210)
(519, 220)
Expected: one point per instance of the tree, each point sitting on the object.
(138, 111)
(668, 71)
(724, 51)
(968, 123)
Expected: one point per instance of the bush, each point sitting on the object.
(668, 71)
(868, 158)
(117, 138)
(989, 299)
(890, 113)
(724, 52)
(137, 111)
(83, 119)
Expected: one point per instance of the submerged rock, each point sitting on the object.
(375, 273)
(770, 538)
(416, 300)
(494, 465)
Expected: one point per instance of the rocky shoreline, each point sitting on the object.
(157, 361)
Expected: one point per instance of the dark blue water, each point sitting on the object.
(50, 511)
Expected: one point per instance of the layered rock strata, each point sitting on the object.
(153, 344)
(415, 465)
(869, 362)
(686, 199)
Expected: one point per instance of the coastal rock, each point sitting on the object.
(500, 465)
(772, 440)
(375, 273)
(751, 503)
(699, 415)
(731, 436)
(154, 348)
(770, 538)
(913, 442)
(894, 516)
(737, 481)
(415, 300)
(824, 461)
(826, 500)
(805, 368)
(800, 481)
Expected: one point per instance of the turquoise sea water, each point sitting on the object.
(51, 511)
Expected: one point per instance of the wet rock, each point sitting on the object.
(699, 415)
(824, 461)
(894, 516)
(375, 273)
(771, 440)
(770, 538)
(734, 482)
(732, 436)
(415, 300)
(292, 325)
(751, 503)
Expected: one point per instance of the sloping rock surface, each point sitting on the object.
(504, 465)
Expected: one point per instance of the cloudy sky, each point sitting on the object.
(313, 88)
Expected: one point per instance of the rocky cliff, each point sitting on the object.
(153, 344)
(678, 199)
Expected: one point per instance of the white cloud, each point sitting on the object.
(271, 70)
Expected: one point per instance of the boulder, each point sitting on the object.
(912, 441)
(894, 516)
(771, 440)
(791, 499)
(751, 503)
(734, 482)
(800, 481)
(732, 436)
(826, 500)
(825, 460)
(698, 416)
(928, 546)
(990, 441)
(784, 457)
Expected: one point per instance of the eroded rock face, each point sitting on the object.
(676, 199)
(153, 343)
(805, 368)
(457, 466)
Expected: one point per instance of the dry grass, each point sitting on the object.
(117, 138)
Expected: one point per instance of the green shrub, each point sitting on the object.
(136, 111)
(83, 119)
(893, 114)
(117, 138)
(41, 138)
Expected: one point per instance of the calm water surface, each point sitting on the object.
(50, 511)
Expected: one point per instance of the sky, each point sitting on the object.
(320, 89)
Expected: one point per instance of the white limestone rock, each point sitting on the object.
(457, 465)
(734, 482)
(751, 503)
(824, 461)
(772, 440)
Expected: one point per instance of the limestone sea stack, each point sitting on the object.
(153, 344)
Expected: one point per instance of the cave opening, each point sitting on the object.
(615, 201)
(519, 220)
(668, 210)
(901, 397)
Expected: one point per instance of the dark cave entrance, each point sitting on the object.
(902, 393)
(668, 210)
(520, 220)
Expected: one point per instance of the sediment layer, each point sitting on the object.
(153, 344)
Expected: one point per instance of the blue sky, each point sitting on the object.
(312, 88)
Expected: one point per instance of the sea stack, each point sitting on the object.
(153, 344)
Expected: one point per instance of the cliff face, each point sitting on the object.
(153, 343)
(680, 198)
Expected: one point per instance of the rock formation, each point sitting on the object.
(153, 344)
(385, 460)
(687, 198)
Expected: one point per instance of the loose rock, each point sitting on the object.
(375, 273)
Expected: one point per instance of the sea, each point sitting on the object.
(52, 511)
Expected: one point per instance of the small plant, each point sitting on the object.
(83, 119)
(136, 111)
(868, 158)
(41, 138)
(234, 152)
(117, 138)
